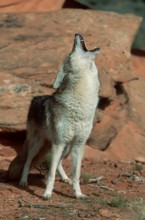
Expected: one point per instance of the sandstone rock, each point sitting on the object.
(138, 61)
(33, 46)
(9, 6)
(128, 144)
(30, 6)
(95, 154)
(140, 159)
(113, 118)
(136, 93)
(14, 92)
(107, 214)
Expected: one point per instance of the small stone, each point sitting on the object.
(140, 159)
(105, 213)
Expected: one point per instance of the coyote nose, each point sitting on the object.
(79, 35)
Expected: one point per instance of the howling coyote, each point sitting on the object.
(64, 119)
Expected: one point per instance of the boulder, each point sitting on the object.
(128, 144)
(33, 47)
(30, 6)
(107, 128)
(19, 6)
(136, 103)
(15, 95)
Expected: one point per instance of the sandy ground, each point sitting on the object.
(115, 191)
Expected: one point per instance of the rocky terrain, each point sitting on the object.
(33, 46)
(32, 49)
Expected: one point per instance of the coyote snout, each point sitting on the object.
(64, 119)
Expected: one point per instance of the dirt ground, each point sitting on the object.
(115, 191)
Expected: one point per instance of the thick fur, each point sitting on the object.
(16, 166)
(63, 119)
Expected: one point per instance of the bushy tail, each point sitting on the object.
(16, 166)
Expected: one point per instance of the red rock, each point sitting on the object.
(32, 52)
(95, 155)
(112, 119)
(33, 46)
(30, 6)
(105, 213)
(136, 93)
(128, 144)
(15, 95)
(109, 214)
(140, 159)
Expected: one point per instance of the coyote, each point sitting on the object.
(64, 119)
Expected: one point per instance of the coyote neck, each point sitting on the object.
(87, 88)
(81, 94)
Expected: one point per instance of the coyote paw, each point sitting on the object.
(46, 196)
(23, 183)
(67, 181)
(81, 196)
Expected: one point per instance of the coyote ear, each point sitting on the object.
(95, 51)
(59, 79)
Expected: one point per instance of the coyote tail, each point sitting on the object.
(17, 164)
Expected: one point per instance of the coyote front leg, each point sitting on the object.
(77, 155)
(55, 158)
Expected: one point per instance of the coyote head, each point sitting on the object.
(78, 60)
(80, 50)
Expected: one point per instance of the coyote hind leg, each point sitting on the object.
(33, 148)
(62, 174)
(60, 169)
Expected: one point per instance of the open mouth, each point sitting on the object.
(83, 45)
(82, 42)
(79, 40)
